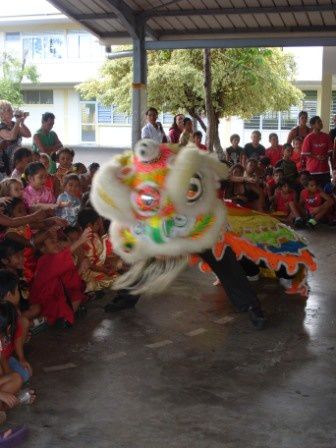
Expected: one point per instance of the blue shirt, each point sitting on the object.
(70, 212)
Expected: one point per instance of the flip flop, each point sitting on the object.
(15, 437)
(25, 396)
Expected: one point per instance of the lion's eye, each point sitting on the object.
(195, 189)
(147, 151)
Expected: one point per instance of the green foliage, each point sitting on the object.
(12, 73)
(245, 81)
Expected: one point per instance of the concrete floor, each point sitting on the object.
(209, 380)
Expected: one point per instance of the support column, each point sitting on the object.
(139, 94)
(328, 69)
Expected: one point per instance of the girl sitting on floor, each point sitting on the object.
(57, 286)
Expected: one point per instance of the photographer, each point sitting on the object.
(11, 133)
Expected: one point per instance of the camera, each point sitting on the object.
(20, 114)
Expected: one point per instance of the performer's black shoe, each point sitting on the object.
(61, 324)
(257, 317)
(122, 301)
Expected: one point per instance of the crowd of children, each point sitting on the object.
(55, 254)
(54, 257)
(278, 180)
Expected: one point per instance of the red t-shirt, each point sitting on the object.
(311, 201)
(282, 200)
(297, 159)
(317, 145)
(274, 154)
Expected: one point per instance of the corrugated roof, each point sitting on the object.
(243, 21)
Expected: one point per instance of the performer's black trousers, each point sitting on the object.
(233, 278)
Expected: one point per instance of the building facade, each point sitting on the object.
(66, 55)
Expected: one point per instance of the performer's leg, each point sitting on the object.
(121, 301)
(235, 283)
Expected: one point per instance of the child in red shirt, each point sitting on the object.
(57, 286)
(316, 203)
(197, 138)
(297, 158)
(274, 152)
(284, 204)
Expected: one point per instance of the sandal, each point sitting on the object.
(12, 437)
(26, 396)
(39, 325)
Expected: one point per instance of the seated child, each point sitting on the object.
(316, 203)
(11, 188)
(243, 190)
(22, 157)
(11, 258)
(71, 197)
(284, 204)
(65, 158)
(51, 182)
(296, 155)
(10, 382)
(13, 343)
(273, 182)
(197, 139)
(234, 152)
(36, 193)
(274, 152)
(288, 166)
(57, 286)
(86, 179)
(104, 265)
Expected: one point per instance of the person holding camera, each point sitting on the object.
(11, 133)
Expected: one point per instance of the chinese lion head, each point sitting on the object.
(163, 206)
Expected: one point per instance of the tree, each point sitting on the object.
(12, 73)
(244, 82)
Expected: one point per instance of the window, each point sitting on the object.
(13, 44)
(81, 45)
(88, 121)
(284, 120)
(43, 46)
(111, 115)
(38, 96)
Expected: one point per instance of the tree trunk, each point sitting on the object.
(194, 114)
(209, 112)
(217, 143)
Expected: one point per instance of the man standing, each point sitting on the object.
(302, 130)
(317, 148)
(46, 140)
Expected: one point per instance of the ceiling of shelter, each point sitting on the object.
(116, 21)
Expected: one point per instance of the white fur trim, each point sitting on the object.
(109, 196)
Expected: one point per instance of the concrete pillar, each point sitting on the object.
(139, 95)
(328, 69)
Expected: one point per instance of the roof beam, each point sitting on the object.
(234, 11)
(320, 41)
(59, 5)
(86, 17)
(294, 30)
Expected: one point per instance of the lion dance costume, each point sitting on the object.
(162, 201)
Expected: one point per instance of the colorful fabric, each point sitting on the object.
(99, 252)
(262, 238)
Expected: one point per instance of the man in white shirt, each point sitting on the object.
(153, 129)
